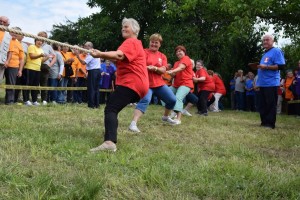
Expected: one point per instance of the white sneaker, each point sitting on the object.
(173, 114)
(134, 128)
(44, 103)
(54, 102)
(176, 122)
(168, 119)
(28, 103)
(36, 103)
(186, 113)
(104, 147)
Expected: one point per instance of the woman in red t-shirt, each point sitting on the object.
(206, 86)
(183, 79)
(156, 63)
(132, 80)
(220, 91)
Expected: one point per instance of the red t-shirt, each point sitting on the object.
(132, 71)
(185, 77)
(219, 85)
(157, 59)
(208, 84)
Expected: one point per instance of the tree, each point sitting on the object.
(226, 34)
(66, 32)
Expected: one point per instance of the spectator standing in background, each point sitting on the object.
(240, 90)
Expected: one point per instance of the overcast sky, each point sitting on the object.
(33, 16)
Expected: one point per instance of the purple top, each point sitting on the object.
(297, 78)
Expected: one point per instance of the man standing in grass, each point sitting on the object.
(4, 45)
(269, 80)
(13, 66)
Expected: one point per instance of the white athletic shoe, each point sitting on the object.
(186, 113)
(176, 122)
(173, 115)
(168, 119)
(36, 103)
(28, 103)
(134, 128)
(104, 147)
(44, 103)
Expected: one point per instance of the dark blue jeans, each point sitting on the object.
(191, 98)
(93, 81)
(240, 100)
(62, 94)
(162, 92)
(52, 94)
(78, 94)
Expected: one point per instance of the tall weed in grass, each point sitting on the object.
(44, 154)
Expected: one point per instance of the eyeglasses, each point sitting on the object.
(4, 22)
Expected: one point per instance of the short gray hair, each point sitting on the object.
(133, 24)
(89, 44)
(269, 36)
(200, 62)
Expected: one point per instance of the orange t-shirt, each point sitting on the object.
(1, 35)
(81, 66)
(132, 70)
(75, 63)
(185, 77)
(167, 79)
(208, 84)
(157, 59)
(288, 93)
(219, 85)
(15, 47)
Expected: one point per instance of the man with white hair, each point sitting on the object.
(46, 65)
(5, 39)
(268, 81)
(93, 68)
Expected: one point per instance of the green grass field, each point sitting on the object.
(44, 154)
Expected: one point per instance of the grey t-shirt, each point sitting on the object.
(25, 49)
(55, 69)
(47, 50)
(239, 85)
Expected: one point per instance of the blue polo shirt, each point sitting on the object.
(270, 78)
(249, 85)
(92, 63)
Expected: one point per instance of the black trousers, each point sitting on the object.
(10, 79)
(71, 83)
(45, 71)
(268, 102)
(119, 99)
(20, 81)
(250, 100)
(32, 79)
(93, 81)
(202, 101)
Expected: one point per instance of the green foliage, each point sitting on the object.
(226, 34)
(67, 32)
(292, 55)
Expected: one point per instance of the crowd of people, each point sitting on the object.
(244, 92)
(41, 64)
(136, 74)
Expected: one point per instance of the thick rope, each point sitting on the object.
(26, 87)
(4, 28)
